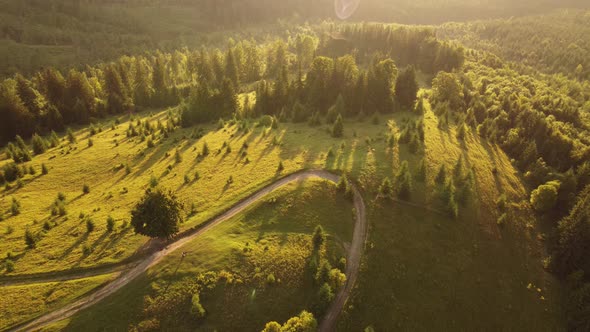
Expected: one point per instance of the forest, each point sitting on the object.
(481, 121)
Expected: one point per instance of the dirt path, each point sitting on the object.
(327, 324)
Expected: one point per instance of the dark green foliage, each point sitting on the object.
(319, 238)
(280, 168)
(406, 88)
(545, 196)
(11, 172)
(30, 239)
(15, 207)
(386, 189)
(403, 181)
(157, 215)
(177, 157)
(39, 144)
(86, 189)
(197, 309)
(325, 297)
(71, 136)
(110, 223)
(441, 176)
(338, 127)
(89, 225)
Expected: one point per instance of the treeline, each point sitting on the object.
(289, 74)
(555, 43)
(332, 86)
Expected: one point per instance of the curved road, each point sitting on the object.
(327, 324)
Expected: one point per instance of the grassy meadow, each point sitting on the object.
(24, 302)
(426, 256)
(271, 238)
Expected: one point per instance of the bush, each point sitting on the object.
(86, 189)
(197, 309)
(386, 189)
(441, 176)
(205, 150)
(39, 144)
(11, 172)
(89, 225)
(187, 179)
(30, 239)
(177, 157)
(9, 265)
(61, 196)
(319, 237)
(280, 168)
(545, 196)
(270, 279)
(44, 169)
(15, 207)
(323, 273)
(71, 136)
(325, 297)
(110, 223)
(338, 128)
(90, 143)
(153, 182)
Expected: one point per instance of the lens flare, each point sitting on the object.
(345, 8)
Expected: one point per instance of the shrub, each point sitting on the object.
(110, 223)
(9, 265)
(89, 225)
(30, 239)
(280, 168)
(403, 181)
(270, 279)
(441, 176)
(338, 127)
(375, 118)
(127, 169)
(545, 196)
(44, 169)
(61, 196)
(86, 250)
(53, 139)
(90, 143)
(86, 189)
(15, 207)
(39, 144)
(153, 182)
(325, 296)
(323, 273)
(319, 237)
(177, 157)
(197, 309)
(32, 170)
(386, 189)
(71, 136)
(187, 179)
(205, 150)
(336, 278)
(11, 172)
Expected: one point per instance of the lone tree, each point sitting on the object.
(338, 128)
(157, 215)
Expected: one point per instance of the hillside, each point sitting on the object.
(157, 191)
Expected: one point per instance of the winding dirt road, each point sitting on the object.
(327, 324)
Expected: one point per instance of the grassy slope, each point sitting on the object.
(365, 155)
(24, 302)
(278, 230)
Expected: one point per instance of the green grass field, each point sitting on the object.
(274, 237)
(453, 265)
(24, 302)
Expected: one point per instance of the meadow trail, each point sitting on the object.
(329, 319)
